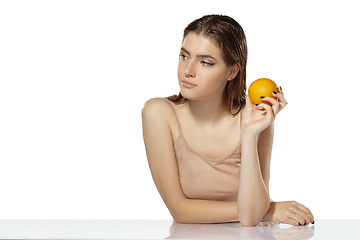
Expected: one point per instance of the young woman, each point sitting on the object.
(209, 147)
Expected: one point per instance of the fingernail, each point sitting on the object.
(262, 97)
(274, 92)
(313, 222)
(280, 88)
(256, 104)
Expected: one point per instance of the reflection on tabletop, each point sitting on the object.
(265, 230)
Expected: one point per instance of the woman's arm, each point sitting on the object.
(253, 195)
(290, 212)
(159, 145)
(257, 133)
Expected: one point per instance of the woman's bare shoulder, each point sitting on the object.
(159, 112)
(156, 105)
(159, 108)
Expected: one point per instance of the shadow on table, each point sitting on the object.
(264, 230)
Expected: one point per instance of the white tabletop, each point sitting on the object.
(166, 229)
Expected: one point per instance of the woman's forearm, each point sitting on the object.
(205, 211)
(253, 196)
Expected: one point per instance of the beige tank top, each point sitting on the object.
(204, 178)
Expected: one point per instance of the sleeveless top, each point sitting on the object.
(204, 178)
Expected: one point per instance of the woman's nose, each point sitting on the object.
(190, 70)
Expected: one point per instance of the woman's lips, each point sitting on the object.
(188, 84)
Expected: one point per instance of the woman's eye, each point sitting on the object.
(183, 56)
(207, 63)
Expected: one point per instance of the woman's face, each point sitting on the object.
(202, 72)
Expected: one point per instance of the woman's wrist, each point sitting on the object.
(248, 136)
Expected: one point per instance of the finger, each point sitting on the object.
(280, 90)
(264, 106)
(305, 217)
(267, 112)
(298, 218)
(307, 211)
(303, 213)
(275, 103)
(269, 99)
(280, 97)
(292, 222)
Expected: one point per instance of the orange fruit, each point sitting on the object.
(263, 87)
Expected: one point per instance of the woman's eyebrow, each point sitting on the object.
(198, 56)
(184, 50)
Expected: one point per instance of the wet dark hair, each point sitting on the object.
(230, 37)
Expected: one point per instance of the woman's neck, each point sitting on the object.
(208, 112)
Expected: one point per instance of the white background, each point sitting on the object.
(75, 75)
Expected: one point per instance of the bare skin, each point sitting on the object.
(202, 75)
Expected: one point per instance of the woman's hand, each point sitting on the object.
(290, 213)
(257, 118)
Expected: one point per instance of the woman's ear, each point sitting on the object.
(233, 72)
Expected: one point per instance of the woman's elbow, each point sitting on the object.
(179, 216)
(181, 219)
(250, 218)
(249, 222)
